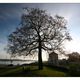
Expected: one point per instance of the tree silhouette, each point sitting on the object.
(38, 31)
(74, 57)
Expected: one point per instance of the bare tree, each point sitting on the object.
(38, 30)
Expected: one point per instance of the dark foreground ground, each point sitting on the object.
(32, 71)
(19, 71)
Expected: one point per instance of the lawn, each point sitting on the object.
(30, 71)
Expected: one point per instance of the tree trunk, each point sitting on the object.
(40, 64)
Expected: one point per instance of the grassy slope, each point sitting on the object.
(49, 72)
(18, 71)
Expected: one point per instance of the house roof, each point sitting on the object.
(53, 53)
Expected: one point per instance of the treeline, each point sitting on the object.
(14, 60)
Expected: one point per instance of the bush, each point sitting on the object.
(10, 65)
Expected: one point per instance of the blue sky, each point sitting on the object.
(10, 15)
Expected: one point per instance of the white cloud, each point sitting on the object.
(73, 46)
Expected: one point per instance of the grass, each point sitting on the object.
(8, 70)
(47, 72)
(31, 71)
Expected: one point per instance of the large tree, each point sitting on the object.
(38, 31)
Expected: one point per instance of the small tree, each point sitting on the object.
(74, 57)
(38, 31)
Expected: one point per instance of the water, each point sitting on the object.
(15, 62)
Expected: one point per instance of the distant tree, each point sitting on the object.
(38, 31)
(74, 56)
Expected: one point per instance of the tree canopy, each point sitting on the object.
(38, 31)
(74, 57)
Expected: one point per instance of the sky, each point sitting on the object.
(10, 16)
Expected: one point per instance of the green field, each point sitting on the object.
(30, 71)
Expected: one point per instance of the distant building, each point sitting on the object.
(53, 58)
